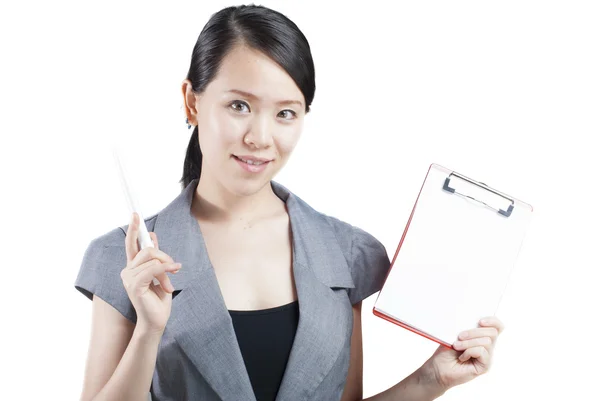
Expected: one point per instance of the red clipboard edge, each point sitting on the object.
(389, 319)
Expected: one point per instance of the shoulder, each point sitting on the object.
(366, 256)
(355, 240)
(102, 263)
(352, 239)
(116, 236)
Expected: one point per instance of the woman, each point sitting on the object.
(275, 312)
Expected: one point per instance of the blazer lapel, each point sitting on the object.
(320, 272)
(200, 321)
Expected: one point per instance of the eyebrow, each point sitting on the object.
(252, 96)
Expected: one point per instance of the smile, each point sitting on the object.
(251, 166)
(255, 163)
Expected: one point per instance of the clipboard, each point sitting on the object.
(452, 267)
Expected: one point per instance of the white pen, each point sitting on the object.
(144, 239)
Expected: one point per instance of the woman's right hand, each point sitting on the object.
(152, 303)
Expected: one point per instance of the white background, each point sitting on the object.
(507, 93)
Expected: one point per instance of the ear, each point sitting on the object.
(189, 101)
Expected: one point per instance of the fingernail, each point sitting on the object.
(463, 335)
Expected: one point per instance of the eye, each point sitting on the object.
(291, 114)
(239, 106)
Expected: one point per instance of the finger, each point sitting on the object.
(154, 239)
(170, 267)
(164, 282)
(146, 276)
(157, 288)
(479, 341)
(131, 245)
(491, 332)
(128, 273)
(150, 253)
(144, 266)
(163, 276)
(492, 321)
(479, 353)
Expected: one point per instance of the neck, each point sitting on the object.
(214, 203)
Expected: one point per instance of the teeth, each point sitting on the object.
(252, 162)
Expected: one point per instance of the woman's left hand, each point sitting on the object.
(470, 357)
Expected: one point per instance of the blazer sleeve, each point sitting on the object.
(369, 265)
(100, 273)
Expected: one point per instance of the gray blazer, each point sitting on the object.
(335, 265)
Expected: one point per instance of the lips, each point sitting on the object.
(251, 168)
(255, 161)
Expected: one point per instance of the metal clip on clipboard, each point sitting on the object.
(447, 187)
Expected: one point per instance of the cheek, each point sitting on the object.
(219, 129)
(229, 128)
(289, 137)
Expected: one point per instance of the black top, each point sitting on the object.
(265, 338)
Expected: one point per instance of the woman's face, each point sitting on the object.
(252, 108)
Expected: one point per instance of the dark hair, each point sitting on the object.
(259, 28)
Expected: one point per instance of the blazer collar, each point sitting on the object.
(200, 321)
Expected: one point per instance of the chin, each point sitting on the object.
(248, 187)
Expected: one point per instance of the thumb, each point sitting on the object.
(154, 239)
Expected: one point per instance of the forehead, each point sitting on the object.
(250, 70)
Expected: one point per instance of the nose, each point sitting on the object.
(261, 132)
